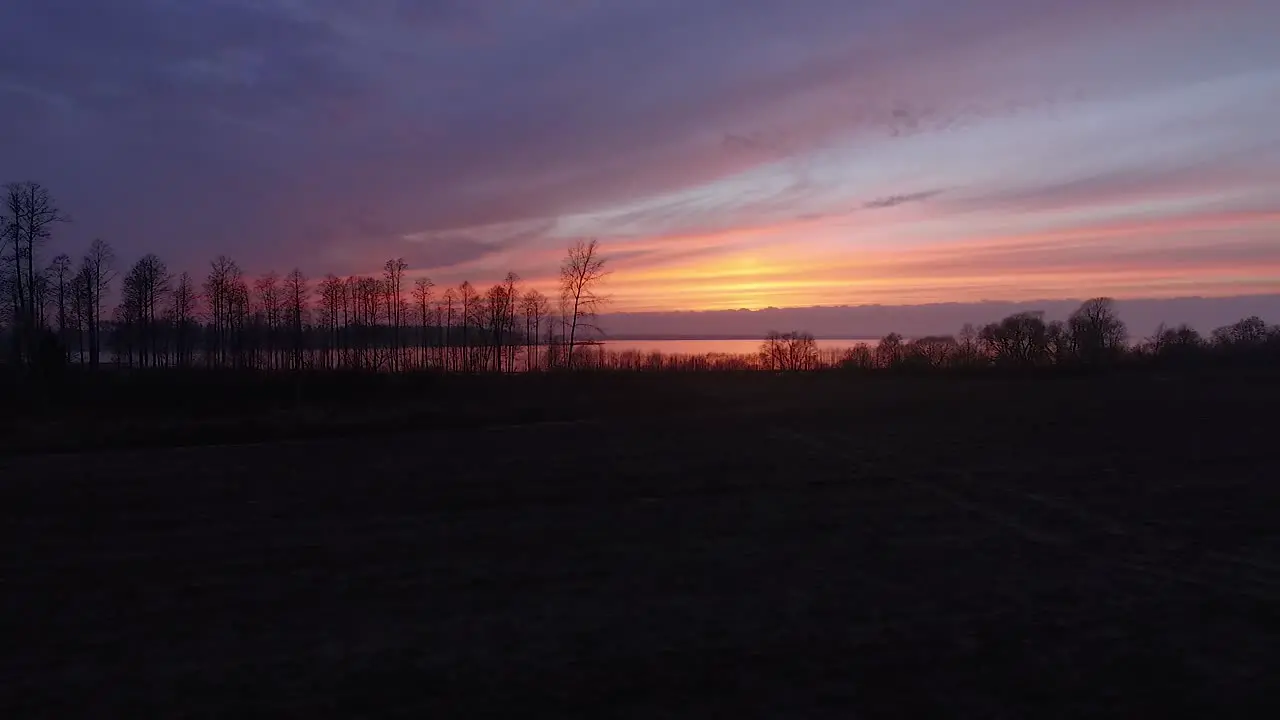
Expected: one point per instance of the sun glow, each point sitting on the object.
(1162, 258)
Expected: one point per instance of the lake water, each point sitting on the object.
(745, 346)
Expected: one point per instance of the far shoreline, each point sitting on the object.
(649, 338)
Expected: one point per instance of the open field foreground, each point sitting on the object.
(984, 547)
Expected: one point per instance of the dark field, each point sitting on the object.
(779, 547)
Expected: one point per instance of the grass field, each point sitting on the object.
(741, 546)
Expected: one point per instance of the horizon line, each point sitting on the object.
(1177, 298)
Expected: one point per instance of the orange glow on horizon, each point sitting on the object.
(1121, 259)
(820, 262)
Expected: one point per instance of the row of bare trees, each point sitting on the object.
(1015, 342)
(378, 323)
(54, 313)
(227, 319)
(63, 296)
(1093, 335)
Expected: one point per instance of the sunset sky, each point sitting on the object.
(727, 153)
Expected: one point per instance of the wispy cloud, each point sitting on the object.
(889, 201)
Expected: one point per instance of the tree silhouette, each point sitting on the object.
(1059, 345)
(790, 351)
(99, 269)
(393, 280)
(934, 351)
(471, 315)
(182, 317)
(890, 351)
(1250, 331)
(60, 274)
(143, 291)
(296, 291)
(26, 223)
(225, 292)
(1019, 340)
(449, 300)
(1179, 343)
(507, 334)
(535, 307)
(580, 276)
(268, 301)
(1097, 333)
(422, 306)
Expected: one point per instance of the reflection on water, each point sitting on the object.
(727, 347)
(681, 354)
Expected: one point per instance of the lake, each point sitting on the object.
(742, 346)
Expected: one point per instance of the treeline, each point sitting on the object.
(1092, 336)
(57, 313)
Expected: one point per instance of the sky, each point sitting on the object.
(726, 153)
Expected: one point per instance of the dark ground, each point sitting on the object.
(1049, 546)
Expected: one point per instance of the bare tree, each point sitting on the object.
(859, 357)
(42, 292)
(496, 302)
(7, 231)
(1097, 331)
(508, 339)
(489, 319)
(422, 306)
(393, 280)
(99, 265)
(367, 295)
(268, 299)
(157, 285)
(29, 214)
(499, 313)
(469, 309)
(81, 315)
(1178, 343)
(448, 301)
(1242, 333)
(970, 349)
(9, 308)
(144, 287)
(352, 321)
(535, 307)
(1019, 339)
(789, 351)
(60, 274)
(772, 351)
(238, 316)
(296, 292)
(222, 290)
(331, 291)
(580, 277)
(1059, 348)
(934, 351)
(890, 351)
(182, 313)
